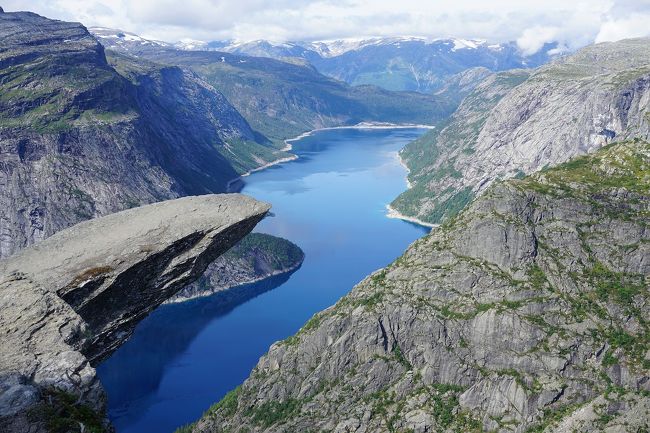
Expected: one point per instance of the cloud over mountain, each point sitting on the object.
(531, 24)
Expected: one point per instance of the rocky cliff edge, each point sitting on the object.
(71, 300)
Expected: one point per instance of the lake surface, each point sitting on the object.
(331, 202)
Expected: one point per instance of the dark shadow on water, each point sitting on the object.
(424, 229)
(131, 373)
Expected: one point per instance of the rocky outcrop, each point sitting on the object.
(256, 257)
(525, 313)
(71, 300)
(81, 138)
(509, 126)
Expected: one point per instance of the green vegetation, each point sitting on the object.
(432, 158)
(400, 357)
(282, 100)
(247, 155)
(615, 286)
(619, 165)
(45, 94)
(228, 405)
(552, 416)
(64, 413)
(282, 253)
(440, 400)
(185, 428)
(274, 412)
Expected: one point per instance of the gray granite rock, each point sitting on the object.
(71, 300)
(526, 310)
(518, 122)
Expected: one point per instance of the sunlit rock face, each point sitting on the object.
(71, 300)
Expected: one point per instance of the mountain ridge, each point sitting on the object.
(395, 63)
(94, 141)
(282, 100)
(515, 123)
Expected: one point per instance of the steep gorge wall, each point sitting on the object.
(81, 138)
(525, 313)
(511, 126)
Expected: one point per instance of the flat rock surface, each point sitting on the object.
(71, 300)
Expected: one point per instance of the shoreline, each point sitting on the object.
(260, 168)
(207, 293)
(288, 146)
(362, 125)
(408, 171)
(392, 213)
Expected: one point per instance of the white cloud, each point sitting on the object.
(633, 26)
(531, 23)
(533, 39)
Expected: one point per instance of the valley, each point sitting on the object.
(327, 230)
(171, 381)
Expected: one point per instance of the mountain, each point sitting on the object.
(395, 63)
(261, 48)
(284, 99)
(83, 137)
(518, 122)
(525, 313)
(419, 65)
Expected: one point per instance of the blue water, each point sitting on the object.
(331, 202)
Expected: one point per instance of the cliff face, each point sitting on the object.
(525, 313)
(71, 300)
(78, 139)
(513, 124)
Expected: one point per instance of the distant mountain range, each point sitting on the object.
(395, 63)
(281, 98)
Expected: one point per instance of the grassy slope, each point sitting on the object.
(282, 100)
(244, 153)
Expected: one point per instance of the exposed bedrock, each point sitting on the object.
(71, 300)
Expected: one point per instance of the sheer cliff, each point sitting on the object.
(71, 300)
(517, 122)
(284, 99)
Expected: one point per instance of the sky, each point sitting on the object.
(570, 23)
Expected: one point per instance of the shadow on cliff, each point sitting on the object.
(132, 373)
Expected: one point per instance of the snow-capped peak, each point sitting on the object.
(190, 44)
(461, 44)
(336, 47)
(120, 37)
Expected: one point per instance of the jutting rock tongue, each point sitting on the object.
(71, 300)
